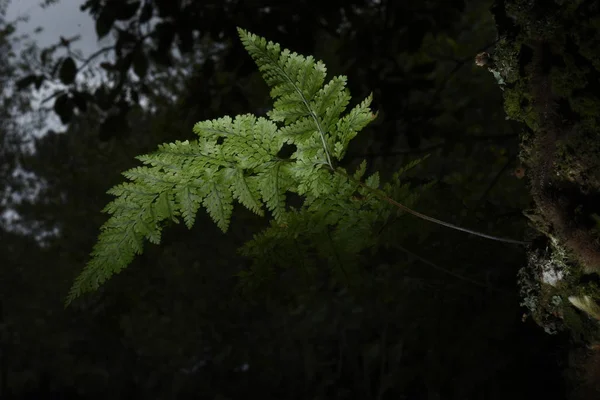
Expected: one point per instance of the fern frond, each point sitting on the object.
(297, 87)
(235, 159)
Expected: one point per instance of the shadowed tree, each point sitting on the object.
(547, 64)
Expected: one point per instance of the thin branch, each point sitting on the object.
(53, 95)
(393, 202)
(447, 271)
(95, 55)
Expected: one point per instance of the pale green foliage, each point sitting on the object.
(237, 159)
(334, 227)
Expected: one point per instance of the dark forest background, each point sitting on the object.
(438, 316)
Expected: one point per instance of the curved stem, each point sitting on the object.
(393, 202)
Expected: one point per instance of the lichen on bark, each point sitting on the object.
(548, 55)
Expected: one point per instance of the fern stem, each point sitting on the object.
(321, 133)
(291, 82)
(393, 202)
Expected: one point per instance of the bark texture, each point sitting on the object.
(547, 62)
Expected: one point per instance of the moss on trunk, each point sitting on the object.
(547, 62)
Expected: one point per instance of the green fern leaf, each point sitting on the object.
(219, 202)
(373, 180)
(245, 190)
(350, 124)
(272, 184)
(237, 159)
(189, 199)
(296, 83)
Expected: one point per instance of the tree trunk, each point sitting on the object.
(547, 62)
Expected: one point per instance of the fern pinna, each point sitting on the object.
(237, 159)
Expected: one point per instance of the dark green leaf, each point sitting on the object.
(8, 30)
(126, 10)
(102, 98)
(104, 22)
(186, 40)
(68, 70)
(91, 4)
(160, 57)
(165, 32)
(124, 63)
(80, 100)
(63, 106)
(125, 40)
(126, 37)
(140, 63)
(135, 96)
(146, 13)
(107, 66)
(25, 82)
(44, 56)
(38, 81)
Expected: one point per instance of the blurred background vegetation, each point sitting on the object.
(438, 314)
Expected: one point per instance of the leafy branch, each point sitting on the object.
(238, 159)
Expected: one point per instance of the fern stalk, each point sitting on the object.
(402, 207)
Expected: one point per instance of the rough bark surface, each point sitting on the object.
(547, 62)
